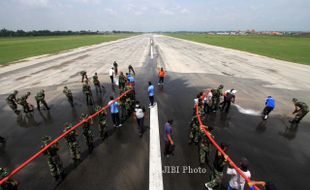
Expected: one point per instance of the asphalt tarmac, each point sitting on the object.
(275, 151)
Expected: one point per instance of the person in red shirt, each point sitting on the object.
(161, 76)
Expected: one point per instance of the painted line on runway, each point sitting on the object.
(155, 169)
(152, 52)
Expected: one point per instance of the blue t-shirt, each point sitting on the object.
(114, 107)
(270, 102)
(151, 90)
(131, 79)
(168, 131)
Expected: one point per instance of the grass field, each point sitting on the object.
(294, 49)
(16, 48)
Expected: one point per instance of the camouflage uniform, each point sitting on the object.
(301, 112)
(71, 139)
(216, 98)
(121, 81)
(68, 94)
(40, 98)
(53, 159)
(97, 83)
(194, 130)
(84, 75)
(11, 100)
(88, 134)
(102, 121)
(10, 184)
(204, 147)
(88, 94)
(23, 102)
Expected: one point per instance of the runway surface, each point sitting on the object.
(275, 152)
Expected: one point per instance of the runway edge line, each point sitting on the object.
(155, 169)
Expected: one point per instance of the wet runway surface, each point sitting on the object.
(275, 151)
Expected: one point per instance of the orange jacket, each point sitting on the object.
(162, 73)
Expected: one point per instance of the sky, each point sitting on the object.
(156, 15)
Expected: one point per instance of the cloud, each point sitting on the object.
(35, 3)
(111, 12)
(164, 11)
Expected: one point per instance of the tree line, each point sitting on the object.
(11, 33)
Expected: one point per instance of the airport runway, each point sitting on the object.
(275, 152)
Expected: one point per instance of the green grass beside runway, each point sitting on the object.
(16, 48)
(294, 49)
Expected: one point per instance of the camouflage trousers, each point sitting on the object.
(193, 134)
(204, 150)
(89, 140)
(301, 114)
(13, 106)
(216, 179)
(215, 103)
(102, 128)
(75, 150)
(98, 87)
(55, 165)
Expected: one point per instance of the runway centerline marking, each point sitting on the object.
(155, 169)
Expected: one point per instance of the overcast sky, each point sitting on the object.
(155, 15)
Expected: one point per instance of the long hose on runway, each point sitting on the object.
(231, 162)
(36, 155)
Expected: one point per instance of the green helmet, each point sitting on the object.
(83, 116)
(67, 126)
(98, 108)
(221, 86)
(3, 172)
(15, 92)
(294, 100)
(66, 87)
(46, 139)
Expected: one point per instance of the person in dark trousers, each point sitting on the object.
(111, 74)
(114, 109)
(161, 76)
(218, 164)
(301, 110)
(229, 97)
(270, 105)
(115, 65)
(169, 144)
(139, 113)
(2, 140)
(121, 81)
(131, 70)
(151, 92)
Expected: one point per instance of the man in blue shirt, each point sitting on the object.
(130, 78)
(151, 92)
(270, 105)
(114, 109)
(169, 144)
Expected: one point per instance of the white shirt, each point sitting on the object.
(111, 72)
(236, 181)
(139, 113)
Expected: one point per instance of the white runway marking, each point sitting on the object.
(152, 52)
(247, 111)
(155, 170)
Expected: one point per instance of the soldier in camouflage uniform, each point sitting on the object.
(97, 83)
(84, 75)
(102, 121)
(11, 100)
(10, 184)
(194, 130)
(88, 133)
(69, 95)
(53, 159)
(301, 110)
(23, 102)
(71, 139)
(88, 94)
(121, 81)
(40, 98)
(204, 145)
(216, 98)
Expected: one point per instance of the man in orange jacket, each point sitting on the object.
(161, 76)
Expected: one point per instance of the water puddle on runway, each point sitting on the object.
(247, 111)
